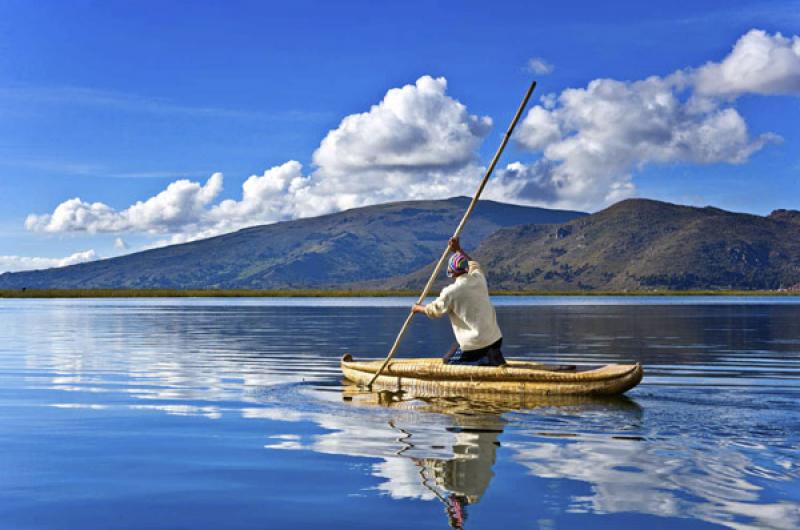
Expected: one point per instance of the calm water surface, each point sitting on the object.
(231, 414)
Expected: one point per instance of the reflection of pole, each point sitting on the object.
(426, 482)
(402, 439)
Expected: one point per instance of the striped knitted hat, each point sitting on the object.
(457, 264)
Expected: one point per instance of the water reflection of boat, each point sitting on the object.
(516, 377)
(461, 479)
(476, 405)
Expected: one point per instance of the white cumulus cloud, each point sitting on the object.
(416, 126)
(759, 63)
(265, 198)
(180, 205)
(592, 140)
(417, 142)
(21, 263)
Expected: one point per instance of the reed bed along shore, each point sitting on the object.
(319, 293)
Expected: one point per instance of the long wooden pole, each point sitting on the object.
(460, 227)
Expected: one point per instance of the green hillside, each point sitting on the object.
(371, 243)
(644, 244)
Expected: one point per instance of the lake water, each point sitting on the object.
(232, 414)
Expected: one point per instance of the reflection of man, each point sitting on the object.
(465, 477)
(466, 301)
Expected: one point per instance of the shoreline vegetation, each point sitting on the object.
(343, 293)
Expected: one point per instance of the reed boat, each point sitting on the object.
(432, 376)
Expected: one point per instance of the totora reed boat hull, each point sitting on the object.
(431, 376)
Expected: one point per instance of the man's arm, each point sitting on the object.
(436, 309)
(455, 246)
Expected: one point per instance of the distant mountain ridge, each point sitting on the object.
(634, 245)
(373, 243)
(641, 244)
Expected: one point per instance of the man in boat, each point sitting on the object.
(466, 301)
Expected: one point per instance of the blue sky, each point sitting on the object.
(111, 102)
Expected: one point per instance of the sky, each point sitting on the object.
(130, 125)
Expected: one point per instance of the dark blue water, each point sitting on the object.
(231, 414)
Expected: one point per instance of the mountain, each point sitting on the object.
(345, 248)
(643, 244)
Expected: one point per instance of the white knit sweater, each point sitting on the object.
(466, 302)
